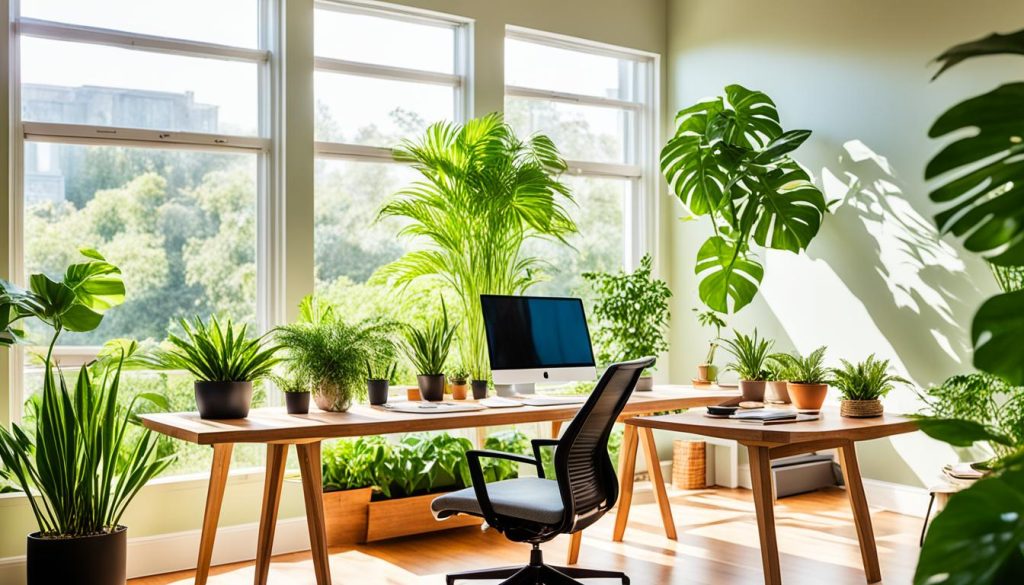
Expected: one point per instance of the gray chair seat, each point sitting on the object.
(527, 498)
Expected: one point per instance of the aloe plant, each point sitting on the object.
(213, 353)
(428, 348)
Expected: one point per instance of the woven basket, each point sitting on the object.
(860, 408)
(689, 464)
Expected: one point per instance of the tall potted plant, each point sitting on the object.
(750, 354)
(807, 379)
(632, 315)
(428, 349)
(708, 371)
(861, 386)
(225, 362)
(79, 465)
(484, 193)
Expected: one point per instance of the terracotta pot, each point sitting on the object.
(645, 384)
(223, 400)
(296, 402)
(98, 559)
(861, 408)
(707, 373)
(807, 396)
(777, 391)
(332, 397)
(752, 390)
(413, 394)
(431, 386)
(459, 391)
(479, 389)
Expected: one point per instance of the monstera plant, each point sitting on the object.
(729, 160)
(979, 537)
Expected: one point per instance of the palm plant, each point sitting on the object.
(213, 353)
(750, 354)
(428, 348)
(867, 380)
(484, 193)
(808, 369)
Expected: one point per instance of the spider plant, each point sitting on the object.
(867, 380)
(808, 369)
(213, 353)
(750, 354)
(428, 348)
(483, 194)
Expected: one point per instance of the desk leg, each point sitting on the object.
(627, 467)
(277, 455)
(312, 489)
(761, 478)
(654, 469)
(861, 513)
(214, 497)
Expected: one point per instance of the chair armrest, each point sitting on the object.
(476, 472)
(539, 444)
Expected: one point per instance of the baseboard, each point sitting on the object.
(164, 553)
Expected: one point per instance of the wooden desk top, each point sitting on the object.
(830, 426)
(274, 425)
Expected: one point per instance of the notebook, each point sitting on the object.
(418, 407)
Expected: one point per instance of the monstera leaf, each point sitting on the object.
(792, 209)
(694, 174)
(752, 122)
(997, 330)
(727, 274)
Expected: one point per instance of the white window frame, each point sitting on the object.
(460, 81)
(268, 196)
(641, 170)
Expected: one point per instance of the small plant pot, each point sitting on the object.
(479, 389)
(377, 390)
(296, 402)
(807, 396)
(645, 384)
(431, 386)
(861, 408)
(98, 559)
(752, 390)
(777, 391)
(223, 400)
(459, 391)
(412, 394)
(332, 397)
(707, 373)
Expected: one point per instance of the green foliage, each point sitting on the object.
(428, 347)
(382, 370)
(511, 441)
(750, 354)
(458, 374)
(808, 369)
(983, 400)
(483, 195)
(291, 383)
(775, 368)
(729, 160)
(632, 313)
(710, 319)
(866, 380)
(354, 463)
(213, 353)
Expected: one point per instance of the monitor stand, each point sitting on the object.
(507, 390)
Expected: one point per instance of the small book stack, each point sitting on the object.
(772, 417)
(962, 474)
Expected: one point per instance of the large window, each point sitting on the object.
(145, 136)
(381, 76)
(598, 105)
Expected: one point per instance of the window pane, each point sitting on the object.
(600, 243)
(384, 41)
(544, 67)
(583, 133)
(181, 225)
(377, 112)
(227, 22)
(63, 83)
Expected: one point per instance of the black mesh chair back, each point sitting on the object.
(585, 473)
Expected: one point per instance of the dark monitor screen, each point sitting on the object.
(536, 332)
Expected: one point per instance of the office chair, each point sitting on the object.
(535, 509)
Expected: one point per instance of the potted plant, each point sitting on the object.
(458, 382)
(80, 463)
(378, 381)
(332, 354)
(479, 385)
(862, 385)
(751, 357)
(296, 393)
(776, 372)
(428, 349)
(708, 371)
(807, 379)
(632, 315)
(225, 362)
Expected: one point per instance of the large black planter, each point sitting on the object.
(431, 386)
(479, 389)
(377, 390)
(86, 560)
(297, 402)
(217, 400)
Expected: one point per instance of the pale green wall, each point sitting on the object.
(849, 70)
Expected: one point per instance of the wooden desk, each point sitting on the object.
(278, 430)
(764, 443)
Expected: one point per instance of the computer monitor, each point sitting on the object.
(537, 339)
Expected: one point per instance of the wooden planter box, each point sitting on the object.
(352, 518)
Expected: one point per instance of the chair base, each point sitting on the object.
(537, 573)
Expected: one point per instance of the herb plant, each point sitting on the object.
(807, 370)
(750, 355)
(213, 353)
(458, 375)
(428, 348)
(867, 380)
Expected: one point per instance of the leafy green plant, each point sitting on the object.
(866, 380)
(632, 313)
(291, 383)
(381, 371)
(750, 354)
(213, 353)
(458, 375)
(809, 369)
(729, 160)
(711, 319)
(483, 195)
(428, 348)
(510, 441)
(354, 463)
(978, 399)
(775, 368)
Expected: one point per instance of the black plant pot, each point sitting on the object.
(217, 400)
(297, 402)
(479, 389)
(87, 560)
(377, 391)
(431, 386)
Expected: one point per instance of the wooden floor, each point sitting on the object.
(718, 545)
